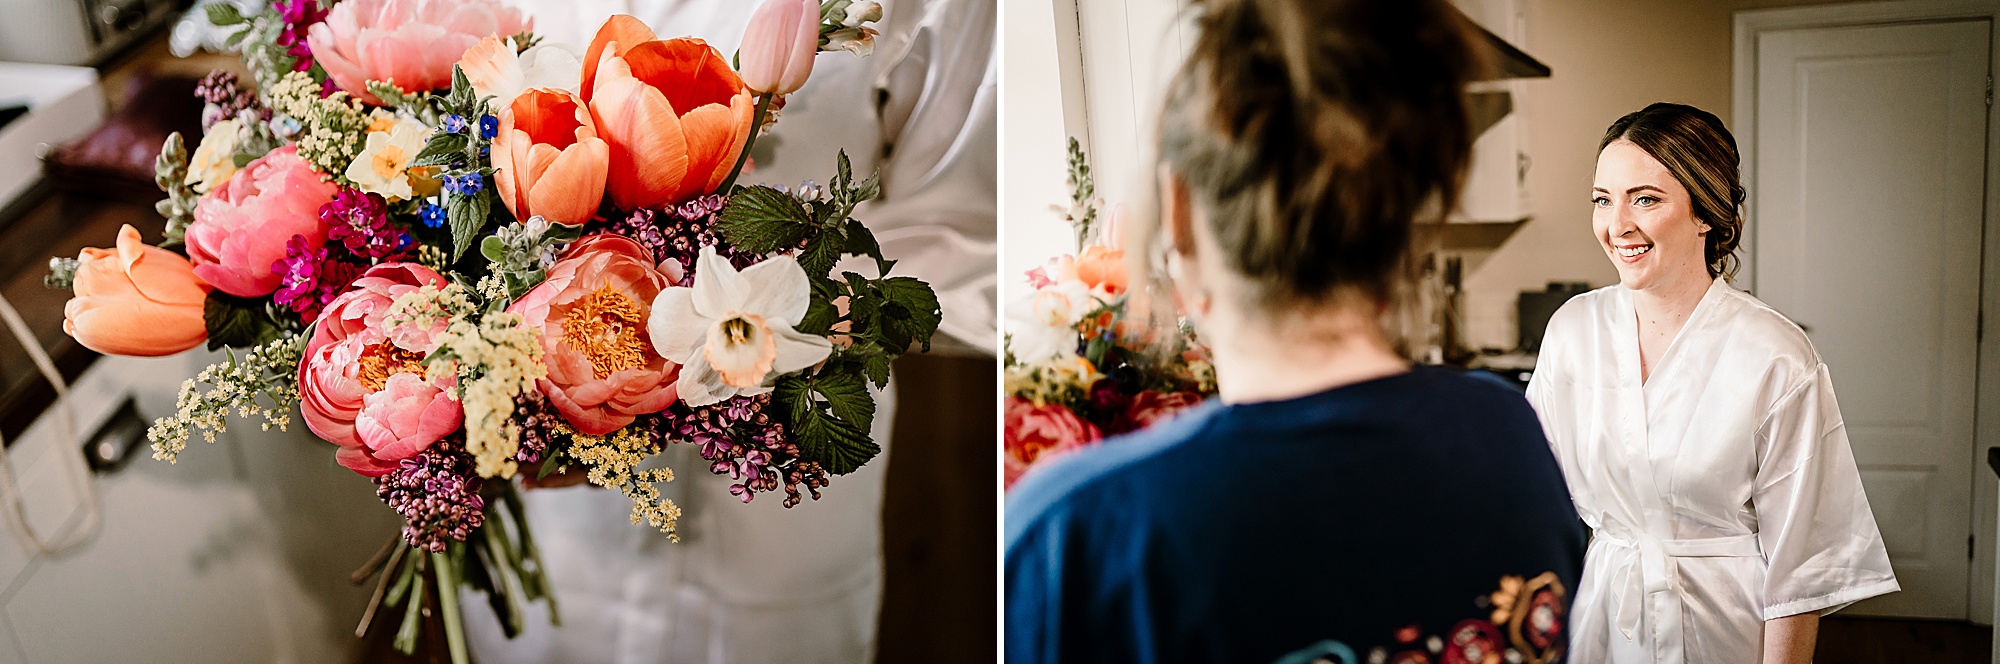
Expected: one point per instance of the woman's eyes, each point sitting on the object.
(1642, 201)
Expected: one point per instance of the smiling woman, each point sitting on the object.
(1697, 555)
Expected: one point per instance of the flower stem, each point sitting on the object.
(454, 625)
(756, 122)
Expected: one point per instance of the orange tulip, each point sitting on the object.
(673, 113)
(136, 300)
(548, 158)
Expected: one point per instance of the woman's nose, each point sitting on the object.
(1622, 220)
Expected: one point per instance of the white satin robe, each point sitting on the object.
(759, 583)
(1721, 492)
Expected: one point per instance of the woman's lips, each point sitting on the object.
(1632, 253)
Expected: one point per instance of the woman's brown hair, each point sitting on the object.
(1313, 133)
(1701, 154)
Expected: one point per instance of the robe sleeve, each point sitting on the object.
(1822, 550)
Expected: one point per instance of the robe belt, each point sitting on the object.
(1653, 578)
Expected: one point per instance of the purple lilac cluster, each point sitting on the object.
(359, 222)
(223, 96)
(679, 233)
(740, 440)
(537, 419)
(437, 493)
(311, 277)
(299, 16)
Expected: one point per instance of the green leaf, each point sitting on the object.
(467, 216)
(861, 241)
(236, 38)
(835, 442)
(762, 219)
(845, 394)
(877, 367)
(911, 313)
(819, 319)
(441, 150)
(837, 445)
(232, 321)
(461, 98)
(493, 248)
(819, 255)
(869, 189)
(223, 14)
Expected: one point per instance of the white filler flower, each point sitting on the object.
(732, 332)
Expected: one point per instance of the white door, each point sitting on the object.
(1865, 223)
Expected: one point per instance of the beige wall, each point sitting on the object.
(1609, 58)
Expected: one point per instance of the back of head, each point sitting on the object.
(1313, 133)
(1701, 153)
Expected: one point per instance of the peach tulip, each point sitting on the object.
(779, 45)
(136, 300)
(673, 113)
(410, 42)
(549, 161)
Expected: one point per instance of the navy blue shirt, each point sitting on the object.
(1420, 515)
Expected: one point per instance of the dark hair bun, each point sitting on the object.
(1315, 132)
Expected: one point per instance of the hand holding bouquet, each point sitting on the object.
(465, 257)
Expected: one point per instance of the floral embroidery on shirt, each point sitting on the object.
(1524, 626)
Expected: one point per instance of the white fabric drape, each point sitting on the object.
(1721, 492)
(760, 583)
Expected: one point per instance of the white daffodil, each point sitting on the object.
(496, 70)
(732, 332)
(1043, 324)
(383, 167)
(215, 159)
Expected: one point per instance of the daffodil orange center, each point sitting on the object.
(390, 161)
(607, 326)
(380, 361)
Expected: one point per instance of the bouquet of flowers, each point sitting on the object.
(466, 257)
(1080, 365)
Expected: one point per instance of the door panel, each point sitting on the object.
(1866, 213)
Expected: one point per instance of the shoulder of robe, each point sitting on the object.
(1584, 311)
(1762, 335)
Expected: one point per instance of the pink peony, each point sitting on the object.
(592, 313)
(360, 384)
(1036, 432)
(1149, 408)
(413, 43)
(240, 228)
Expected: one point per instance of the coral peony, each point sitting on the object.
(779, 45)
(549, 161)
(136, 300)
(673, 113)
(360, 384)
(240, 228)
(412, 43)
(591, 312)
(1036, 432)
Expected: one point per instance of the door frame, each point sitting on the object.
(1986, 382)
